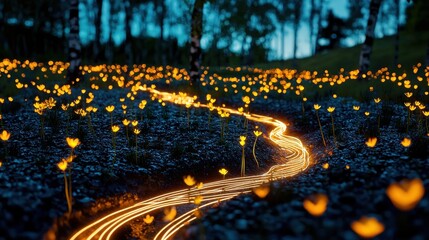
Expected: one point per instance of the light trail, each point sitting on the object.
(296, 160)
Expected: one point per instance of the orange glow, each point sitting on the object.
(367, 227)
(72, 142)
(371, 142)
(406, 142)
(262, 191)
(189, 180)
(316, 204)
(5, 135)
(406, 194)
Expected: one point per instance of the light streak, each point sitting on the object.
(296, 159)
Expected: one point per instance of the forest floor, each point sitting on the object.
(32, 200)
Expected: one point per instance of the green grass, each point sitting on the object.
(412, 49)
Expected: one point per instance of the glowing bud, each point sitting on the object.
(406, 142)
(356, 108)
(115, 128)
(406, 194)
(316, 204)
(367, 227)
(371, 142)
(331, 109)
(189, 180)
(110, 108)
(316, 106)
(148, 219)
(169, 214)
(62, 165)
(72, 142)
(5, 135)
(261, 191)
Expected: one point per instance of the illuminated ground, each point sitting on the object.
(107, 176)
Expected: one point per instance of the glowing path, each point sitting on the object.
(296, 160)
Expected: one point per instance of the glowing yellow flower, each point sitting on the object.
(69, 159)
(189, 180)
(115, 128)
(198, 200)
(5, 135)
(406, 194)
(110, 108)
(325, 166)
(316, 204)
(169, 213)
(242, 140)
(223, 171)
(317, 106)
(412, 107)
(136, 131)
(371, 142)
(377, 100)
(257, 133)
(72, 142)
(142, 104)
(356, 108)
(261, 191)
(148, 219)
(426, 113)
(126, 122)
(199, 185)
(331, 109)
(62, 165)
(134, 123)
(367, 113)
(406, 142)
(367, 227)
(407, 104)
(408, 94)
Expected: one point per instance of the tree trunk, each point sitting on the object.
(396, 54)
(96, 45)
(128, 38)
(283, 47)
(196, 33)
(311, 25)
(74, 44)
(296, 20)
(365, 54)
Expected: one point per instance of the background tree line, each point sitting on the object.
(234, 32)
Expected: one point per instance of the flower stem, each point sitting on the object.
(69, 206)
(333, 130)
(243, 163)
(321, 131)
(254, 155)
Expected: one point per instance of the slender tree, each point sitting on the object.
(365, 54)
(313, 13)
(128, 38)
(297, 14)
(97, 25)
(74, 43)
(398, 10)
(196, 34)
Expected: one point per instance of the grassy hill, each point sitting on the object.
(412, 50)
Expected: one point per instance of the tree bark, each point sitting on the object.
(311, 25)
(74, 44)
(96, 45)
(365, 54)
(296, 20)
(396, 54)
(196, 33)
(128, 37)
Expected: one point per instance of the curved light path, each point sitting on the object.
(296, 160)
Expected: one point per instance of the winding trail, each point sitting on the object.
(296, 160)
